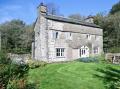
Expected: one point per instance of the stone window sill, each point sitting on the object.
(60, 57)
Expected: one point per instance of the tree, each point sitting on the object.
(10, 33)
(111, 30)
(16, 36)
(53, 9)
(76, 16)
(27, 38)
(115, 8)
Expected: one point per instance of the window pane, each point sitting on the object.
(80, 52)
(56, 35)
(84, 51)
(58, 54)
(62, 50)
(95, 50)
(70, 34)
(58, 50)
(88, 36)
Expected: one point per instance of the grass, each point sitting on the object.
(72, 75)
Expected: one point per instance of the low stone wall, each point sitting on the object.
(19, 58)
(113, 57)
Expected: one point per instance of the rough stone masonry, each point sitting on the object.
(63, 39)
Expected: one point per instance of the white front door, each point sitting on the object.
(84, 51)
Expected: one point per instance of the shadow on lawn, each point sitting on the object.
(31, 86)
(110, 76)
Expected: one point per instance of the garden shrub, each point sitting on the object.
(10, 72)
(3, 58)
(113, 85)
(21, 84)
(35, 64)
(114, 50)
(32, 85)
(102, 58)
(117, 84)
(89, 59)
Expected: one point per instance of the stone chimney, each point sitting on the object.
(42, 9)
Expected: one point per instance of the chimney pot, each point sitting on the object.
(42, 8)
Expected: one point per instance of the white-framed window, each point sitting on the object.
(88, 36)
(69, 35)
(60, 52)
(55, 34)
(96, 50)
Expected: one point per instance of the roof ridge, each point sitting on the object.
(75, 21)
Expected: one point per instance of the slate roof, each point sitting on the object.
(68, 20)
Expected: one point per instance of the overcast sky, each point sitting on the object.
(26, 9)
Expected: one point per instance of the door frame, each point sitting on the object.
(84, 52)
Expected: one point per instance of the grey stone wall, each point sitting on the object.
(19, 58)
(78, 35)
(113, 57)
(82, 29)
(41, 39)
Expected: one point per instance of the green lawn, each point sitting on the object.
(72, 75)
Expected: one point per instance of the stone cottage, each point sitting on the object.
(63, 39)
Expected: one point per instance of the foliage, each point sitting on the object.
(3, 58)
(77, 17)
(21, 84)
(111, 77)
(53, 9)
(115, 8)
(16, 36)
(10, 72)
(111, 30)
(117, 84)
(114, 50)
(89, 59)
(35, 64)
(101, 59)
